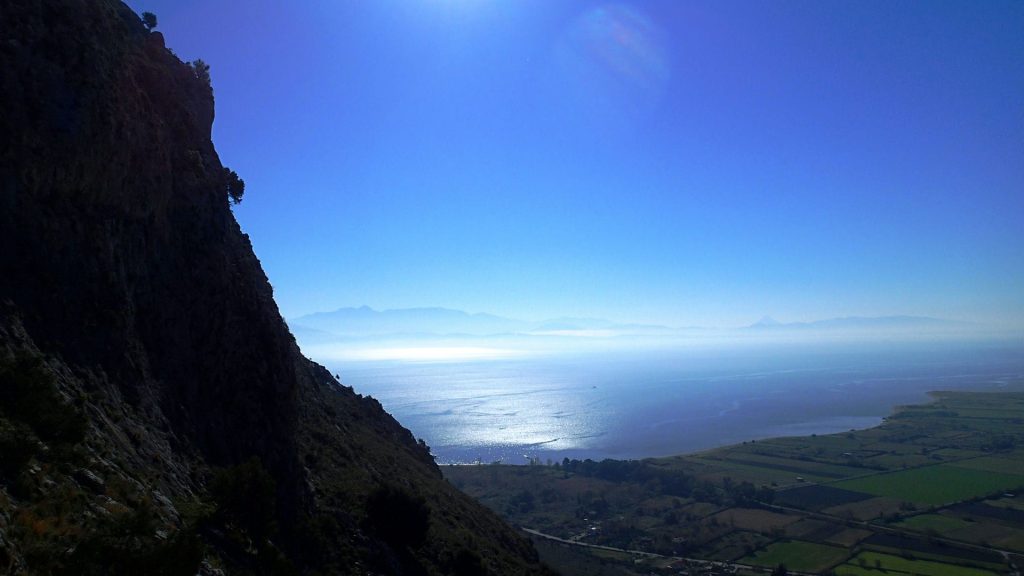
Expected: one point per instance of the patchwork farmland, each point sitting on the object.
(935, 490)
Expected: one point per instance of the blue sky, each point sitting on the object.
(684, 163)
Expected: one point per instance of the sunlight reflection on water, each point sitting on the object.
(630, 407)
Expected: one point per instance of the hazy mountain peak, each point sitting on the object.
(368, 322)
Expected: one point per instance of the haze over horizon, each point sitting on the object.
(655, 162)
(765, 320)
(446, 335)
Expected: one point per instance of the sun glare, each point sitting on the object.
(415, 354)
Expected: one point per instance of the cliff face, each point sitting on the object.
(126, 283)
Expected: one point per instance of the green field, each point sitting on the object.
(938, 484)
(890, 564)
(938, 523)
(760, 474)
(937, 558)
(793, 466)
(800, 556)
(993, 464)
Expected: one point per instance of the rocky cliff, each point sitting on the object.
(156, 415)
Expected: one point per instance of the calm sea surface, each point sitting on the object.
(634, 405)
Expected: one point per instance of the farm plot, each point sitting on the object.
(938, 523)
(755, 520)
(867, 509)
(993, 464)
(817, 497)
(848, 537)
(799, 467)
(876, 564)
(898, 461)
(718, 469)
(939, 484)
(812, 530)
(987, 533)
(735, 545)
(799, 556)
(978, 510)
(926, 548)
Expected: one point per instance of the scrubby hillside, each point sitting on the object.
(155, 413)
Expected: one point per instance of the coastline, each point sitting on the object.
(634, 408)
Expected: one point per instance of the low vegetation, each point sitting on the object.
(65, 518)
(797, 555)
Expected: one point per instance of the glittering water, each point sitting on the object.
(637, 405)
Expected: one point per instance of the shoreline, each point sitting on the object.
(933, 396)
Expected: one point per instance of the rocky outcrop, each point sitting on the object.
(127, 285)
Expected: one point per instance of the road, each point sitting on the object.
(730, 566)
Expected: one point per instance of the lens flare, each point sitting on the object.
(623, 41)
(612, 62)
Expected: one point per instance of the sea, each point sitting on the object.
(636, 404)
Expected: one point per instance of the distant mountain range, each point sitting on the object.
(425, 323)
(859, 323)
(365, 322)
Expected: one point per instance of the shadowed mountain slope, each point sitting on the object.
(156, 415)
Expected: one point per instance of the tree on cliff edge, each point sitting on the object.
(235, 186)
(149, 20)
